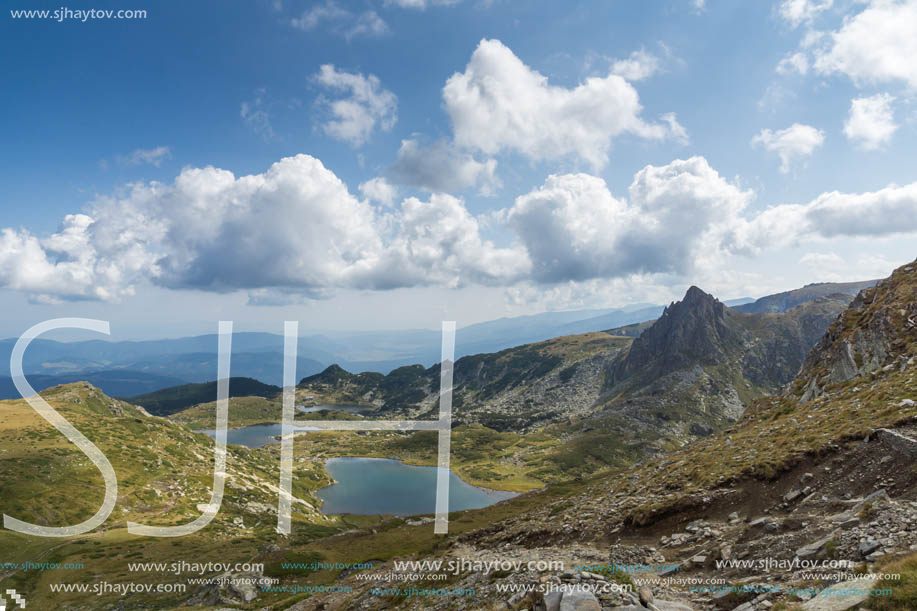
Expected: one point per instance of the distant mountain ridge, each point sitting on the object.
(116, 383)
(507, 390)
(136, 367)
(781, 302)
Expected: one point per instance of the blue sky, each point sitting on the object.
(459, 112)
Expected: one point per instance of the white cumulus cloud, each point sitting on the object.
(636, 67)
(681, 218)
(379, 190)
(791, 144)
(877, 45)
(438, 242)
(871, 122)
(574, 228)
(295, 231)
(364, 104)
(442, 167)
(498, 103)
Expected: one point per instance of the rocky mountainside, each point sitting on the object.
(699, 366)
(797, 478)
(513, 389)
(878, 331)
(698, 330)
(708, 359)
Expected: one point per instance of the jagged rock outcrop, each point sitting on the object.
(875, 332)
(698, 330)
(701, 363)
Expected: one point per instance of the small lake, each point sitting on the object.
(256, 435)
(384, 486)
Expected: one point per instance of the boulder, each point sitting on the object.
(814, 549)
(855, 593)
(669, 605)
(867, 547)
(579, 600)
(731, 598)
(646, 596)
(552, 601)
(228, 589)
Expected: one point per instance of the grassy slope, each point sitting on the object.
(164, 472)
(45, 479)
(243, 411)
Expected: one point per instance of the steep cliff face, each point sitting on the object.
(701, 363)
(698, 330)
(878, 331)
(780, 342)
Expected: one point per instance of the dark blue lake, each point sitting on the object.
(385, 486)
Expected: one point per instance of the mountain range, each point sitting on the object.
(128, 368)
(820, 472)
(710, 434)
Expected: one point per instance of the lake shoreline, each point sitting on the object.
(378, 469)
(460, 470)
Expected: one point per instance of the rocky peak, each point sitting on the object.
(332, 375)
(696, 330)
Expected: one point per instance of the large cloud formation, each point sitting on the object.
(442, 167)
(574, 228)
(682, 217)
(296, 230)
(295, 226)
(876, 45)
(498, 104)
